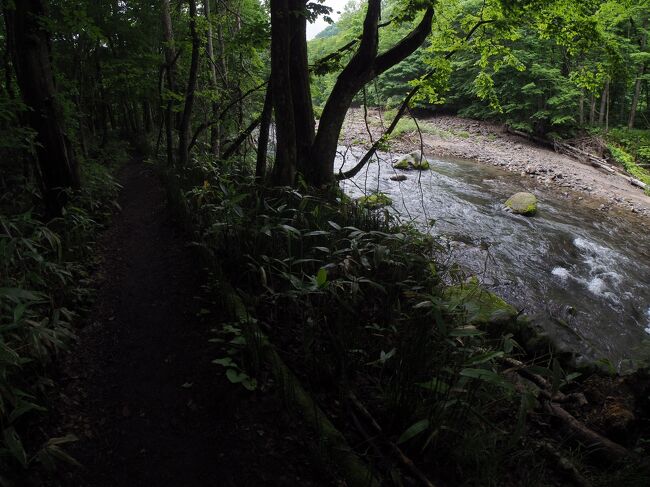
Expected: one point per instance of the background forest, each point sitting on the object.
(242, 117)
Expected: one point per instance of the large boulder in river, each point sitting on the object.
(414, 160)
(522, 204)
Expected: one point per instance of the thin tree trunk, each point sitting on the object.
(263, 141)
(214, 130)
(581, 109)
(185, 135)
(603, 103)
(147, 116)
(8, 49)
(111, 117)
(284, 170)
(592, 110)
(32, 61)
(607, 110)
(637, 86)
(170, 61)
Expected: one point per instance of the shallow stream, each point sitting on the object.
(581, 273)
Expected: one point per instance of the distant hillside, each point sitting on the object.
(329, 31)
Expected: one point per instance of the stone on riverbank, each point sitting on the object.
(398, 177)
(483, 308)
(522, 204)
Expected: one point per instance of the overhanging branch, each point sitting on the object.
(402, 109)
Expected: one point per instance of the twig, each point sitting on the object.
(564, 463)
(544, 386)
(406, 461)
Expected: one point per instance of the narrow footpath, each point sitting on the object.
(139, 388)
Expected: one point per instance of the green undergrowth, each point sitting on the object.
(44, 287)
(359, 304)
(636, 142)
(629, 163)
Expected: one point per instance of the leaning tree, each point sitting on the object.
(300, 147)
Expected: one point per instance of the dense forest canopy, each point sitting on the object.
(545, 67)
(200, 72)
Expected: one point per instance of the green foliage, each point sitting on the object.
(356, 299)
(627, 161)
(43, 285)
(530, 64)
(375, 200)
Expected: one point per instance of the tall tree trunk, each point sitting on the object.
(607, 109)
(284, 170)
(170, 68)
(603, 103)
(581, 109)
(263, 140)
(592, 109)
(6, 57)
(31, 59)
(637, 86)
(214, 130)
(147, 116)
(300, 88)
(186, 122)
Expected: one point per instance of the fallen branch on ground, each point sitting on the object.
(406, 461)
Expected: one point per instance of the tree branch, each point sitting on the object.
(370, 37)
(407, 45)
(402, 109)
(241, 138)
(222, 114)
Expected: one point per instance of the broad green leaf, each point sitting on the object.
(414, 430)
(482, 358)
(321, 277)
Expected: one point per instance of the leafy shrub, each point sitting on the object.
(352, 297)
(41, 281)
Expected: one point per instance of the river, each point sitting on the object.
(582, 274)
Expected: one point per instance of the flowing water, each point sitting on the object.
(580, 273)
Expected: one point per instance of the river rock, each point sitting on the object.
(398, 177)
(482, 308)
(522, 204)
(404, 163)
(412, 161)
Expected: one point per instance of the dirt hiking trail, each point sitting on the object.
(139, 388)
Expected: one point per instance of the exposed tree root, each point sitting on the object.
(597, 443)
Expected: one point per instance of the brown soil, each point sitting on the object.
(139, 388)
(489, 143)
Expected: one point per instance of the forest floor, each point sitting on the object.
(490, 143)
(139, 388)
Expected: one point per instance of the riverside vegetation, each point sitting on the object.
(418, 375)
